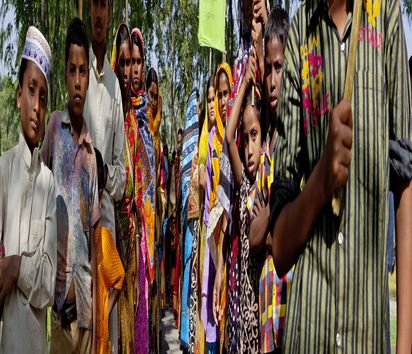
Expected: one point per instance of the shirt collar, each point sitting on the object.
(84, 134)
(30, 161)
(93, 64)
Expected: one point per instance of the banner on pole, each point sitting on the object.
(212, 14)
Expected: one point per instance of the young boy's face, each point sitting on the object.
(123, 68)
(223, 96)
(137, 68)
(99, 11)
(273, 73)
(32, 102)
(252, 141)
(77, 79)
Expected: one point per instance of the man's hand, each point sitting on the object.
(9, 274)
(336, 156)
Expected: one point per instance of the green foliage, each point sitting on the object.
(169, 29)
(9, 115)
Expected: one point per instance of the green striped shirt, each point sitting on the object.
(338, 296)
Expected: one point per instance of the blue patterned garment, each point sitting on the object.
(190, 139)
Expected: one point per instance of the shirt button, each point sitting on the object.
(338, 339)
(340, 238)
(342, 46)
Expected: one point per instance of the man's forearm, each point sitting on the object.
(404, 267)
(290, 236)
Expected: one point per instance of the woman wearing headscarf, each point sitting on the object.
(145, 191)
(125, 211)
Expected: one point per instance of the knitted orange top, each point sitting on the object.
(110, 274)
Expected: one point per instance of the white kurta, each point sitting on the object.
(28, 229)
(103, 113)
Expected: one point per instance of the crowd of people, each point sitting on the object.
(102, 229)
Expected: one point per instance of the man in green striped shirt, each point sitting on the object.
(339, 291)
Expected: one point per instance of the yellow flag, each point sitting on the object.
(212, 15)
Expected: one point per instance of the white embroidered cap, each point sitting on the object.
(37, 49)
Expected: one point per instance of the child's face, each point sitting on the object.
(273, 73)
(252, 141)
(77, 79)
(211, 106)
(153, 94)
(99, 11)
(32, 102)
(124, 68)
(137, 68)
(223, 96)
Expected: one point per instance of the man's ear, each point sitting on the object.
(18, 96)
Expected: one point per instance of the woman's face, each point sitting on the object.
(137, 68)
(211, 106)
(153, 94)
(223, 92)
(123, 68)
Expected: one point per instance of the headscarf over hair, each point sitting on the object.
(217, 144)
(140, 43)
(118, 41)
(224, 67)
(37, 50)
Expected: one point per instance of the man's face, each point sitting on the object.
(77, 79)
(32, 102)
(273, 73)
(124, 68)
(179, 143)
(137, 68)
(99, 11)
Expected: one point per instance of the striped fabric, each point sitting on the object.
(339, 290)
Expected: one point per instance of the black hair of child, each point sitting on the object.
(77, 34)
(277, 26)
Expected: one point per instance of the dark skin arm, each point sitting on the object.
(403, 200)
(249, 79)
(259, 227)
(9, 274)
(330, 173)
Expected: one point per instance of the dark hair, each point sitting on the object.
(77, 34)
(277, 26)
(257, 107)
(22, 70)
(123, 35)
(151, 77)
(136, 41)
(210, 83)
(100, 170)
(180, 131)
(410, 65)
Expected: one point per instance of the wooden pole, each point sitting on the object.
(80, 9)
(210, 61)
(350, 74)
(127, 13)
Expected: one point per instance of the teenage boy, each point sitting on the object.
(68, 151)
